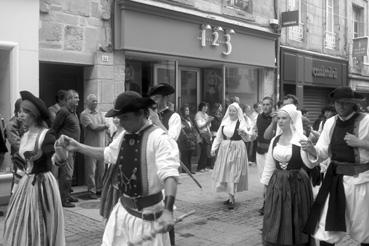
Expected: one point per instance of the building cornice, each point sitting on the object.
(308, 52)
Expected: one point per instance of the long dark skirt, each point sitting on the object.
(288, 201)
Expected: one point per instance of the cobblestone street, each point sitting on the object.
(212, 223)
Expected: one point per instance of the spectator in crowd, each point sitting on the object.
(288, 196)
(67, 123)
(203, 123)
(15, 128)
(3, 150)
(329, 111)
(35, 213)
(230, 169)
(94, 126)
(262, 122)
(304, 112)
(187, 140)
(60, 98)
(217, 113)
(14, 132)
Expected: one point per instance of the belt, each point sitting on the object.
(141, 202)
(144, 216)
(350, 169)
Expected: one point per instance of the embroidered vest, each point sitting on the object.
(132, 163)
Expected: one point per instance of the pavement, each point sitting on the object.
(211, 224)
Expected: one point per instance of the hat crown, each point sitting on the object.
(125, 98)
(345, 93)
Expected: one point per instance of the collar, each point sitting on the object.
(347, 117)
(163, 109)
(147, 123)
(90, 111)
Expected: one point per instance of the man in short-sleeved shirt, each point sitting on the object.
(94, 126)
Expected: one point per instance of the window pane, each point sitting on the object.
(242, 82)
(212, 91)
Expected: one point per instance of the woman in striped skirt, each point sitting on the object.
(35, 213)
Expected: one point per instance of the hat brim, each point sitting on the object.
(163, 90)
(40, 105)
(133, 106)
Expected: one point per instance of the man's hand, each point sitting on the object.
(352, 140)
(166, 221)
(68, 143)
(307, 146)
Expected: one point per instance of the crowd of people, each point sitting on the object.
(316, 176)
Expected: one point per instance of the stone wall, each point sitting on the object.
(79, 26)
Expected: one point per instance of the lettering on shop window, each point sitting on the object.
(215, 37)
(325, 72)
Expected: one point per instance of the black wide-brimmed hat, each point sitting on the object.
(129, 101)
(346, 94)
(40, 105)
(162, 89)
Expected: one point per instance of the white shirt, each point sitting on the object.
(162, 157)
(322, 146)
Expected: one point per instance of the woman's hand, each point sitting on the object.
(213, 153)
(307, 146)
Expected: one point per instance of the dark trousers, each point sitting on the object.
(186, 158)
(204, 160)
(65, 178)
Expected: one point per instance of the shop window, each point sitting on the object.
(212, 85)
(295, 33)
(140, 75)
(242, 82)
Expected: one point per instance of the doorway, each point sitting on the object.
(189, 84)
(54, 77)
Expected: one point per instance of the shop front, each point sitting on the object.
(311, 77)
(205, 57)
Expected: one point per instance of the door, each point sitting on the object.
(189, 88)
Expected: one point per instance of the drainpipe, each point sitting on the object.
(277, 53)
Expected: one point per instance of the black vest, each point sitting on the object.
(295, 162)
(132, 173)
(165, 116)
(235, 136)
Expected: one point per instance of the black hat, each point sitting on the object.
(40, 105)
(162, 89)
(129, 101)
(346, 94)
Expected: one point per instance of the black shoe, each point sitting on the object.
(230, 205)
(98, 193)
(68, 205)
(72, 199)
(71, 190)
(261, 211)
(226, 202)
(92, 196)
(1, 213)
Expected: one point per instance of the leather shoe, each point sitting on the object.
(230, 205)
(226, 202)
(98, 193)
(72, 199)
(92, 196)
(68, 205)
(261, 211)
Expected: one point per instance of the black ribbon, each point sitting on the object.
(335, 220)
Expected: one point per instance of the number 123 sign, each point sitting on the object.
(213, 36)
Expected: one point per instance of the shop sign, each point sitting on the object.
(290, 18)
(360, 47)
(325, 72)
(216, 37)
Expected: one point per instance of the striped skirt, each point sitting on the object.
(35, 213)
(288, 201)
(230, 168)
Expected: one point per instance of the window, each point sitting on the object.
(358, 21)
(295, 33)
(330, 35)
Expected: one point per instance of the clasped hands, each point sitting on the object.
(63, 145)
